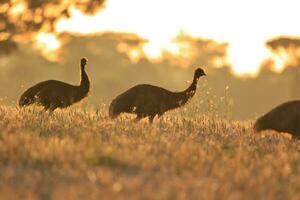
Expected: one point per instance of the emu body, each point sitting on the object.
(283, 118)
(148, 100)
(54, 94)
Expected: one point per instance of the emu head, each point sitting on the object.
(83, 62)
(199, 72)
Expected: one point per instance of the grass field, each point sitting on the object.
(78, 154)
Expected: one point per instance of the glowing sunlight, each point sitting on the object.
(48, 44)
(244, 25)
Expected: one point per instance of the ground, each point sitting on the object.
(82, 154)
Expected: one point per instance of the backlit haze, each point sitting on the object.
(244, 25)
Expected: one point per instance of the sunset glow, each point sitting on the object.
(244, 25)
(49, 40)
(48, 44)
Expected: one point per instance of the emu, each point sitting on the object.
(54, 94)
(283, 118)
(148, 100)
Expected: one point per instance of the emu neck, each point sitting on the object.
(190, 91)
(84, 86)
(183, 97)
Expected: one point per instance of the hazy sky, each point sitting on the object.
(245, 25)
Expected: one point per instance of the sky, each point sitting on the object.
(245, 25)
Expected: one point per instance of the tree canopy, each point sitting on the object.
(20, 20)
(288, 48)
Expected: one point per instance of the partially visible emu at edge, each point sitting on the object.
(283, 118)
(54, 94)
(148, 100)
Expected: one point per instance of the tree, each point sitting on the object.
(197, 52)
(22, 19)
(288, 49)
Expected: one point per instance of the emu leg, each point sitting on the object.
(50, 108)
(46, 107)
(159, 115)
(151, 118)
(297, 132)
(160, 118)
(138, 118)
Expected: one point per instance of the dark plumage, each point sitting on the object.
(54, 94)
(283, 118)
(149, 101)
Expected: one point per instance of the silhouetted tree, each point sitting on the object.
(198, 51)
(288, 49)
(22, 19)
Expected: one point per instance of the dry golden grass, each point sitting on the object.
(77, 154)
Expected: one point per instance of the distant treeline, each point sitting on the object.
(112, 71)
